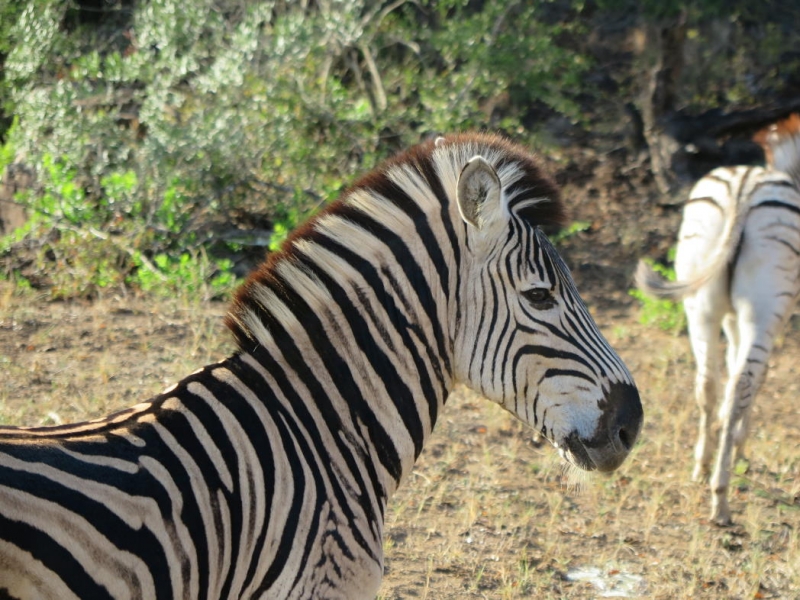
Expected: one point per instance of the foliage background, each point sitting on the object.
(171, 140)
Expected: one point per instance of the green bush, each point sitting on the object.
(194, 275)
(152, 128)
(570, 230)
(659, 312)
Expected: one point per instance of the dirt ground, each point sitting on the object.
(488, 512)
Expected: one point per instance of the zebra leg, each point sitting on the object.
(706, 397)
(703, 316)
(732, 335)
(734, 412)
(740, 427)
(748, 368)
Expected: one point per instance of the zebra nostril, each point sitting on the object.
(625, 438)
(625, 412)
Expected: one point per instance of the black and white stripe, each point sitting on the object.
(738, 268)
(268, 474)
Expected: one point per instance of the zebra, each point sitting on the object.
(268, 474)
(738, 268)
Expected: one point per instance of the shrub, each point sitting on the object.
(154, 127)
(659, 312)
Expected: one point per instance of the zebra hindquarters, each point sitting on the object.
(702, 229)
(764, 285)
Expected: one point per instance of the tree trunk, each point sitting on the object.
(659, 100)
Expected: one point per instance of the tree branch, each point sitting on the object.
(377, 83)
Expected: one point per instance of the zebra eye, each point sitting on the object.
(540, 298)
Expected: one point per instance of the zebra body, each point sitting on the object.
(268, 474)
(737, 267)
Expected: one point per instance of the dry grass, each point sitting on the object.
(487, 513)
(62, 362)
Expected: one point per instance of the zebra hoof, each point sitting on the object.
(700, 473)
(721, 517)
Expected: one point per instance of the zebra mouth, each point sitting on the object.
(574, 451)
(590, 455)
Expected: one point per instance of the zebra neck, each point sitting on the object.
(373, 384)
(357, 313)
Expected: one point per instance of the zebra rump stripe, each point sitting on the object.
(738, 269)
(267, 475)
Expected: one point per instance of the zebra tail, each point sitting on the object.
(656, 286)
(781, 144)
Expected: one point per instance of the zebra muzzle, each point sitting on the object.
(616, 433)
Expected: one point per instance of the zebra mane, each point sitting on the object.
(421, 182)
(781, 144)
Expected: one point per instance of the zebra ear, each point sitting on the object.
(478, 187)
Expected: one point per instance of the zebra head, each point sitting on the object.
(525, 339)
